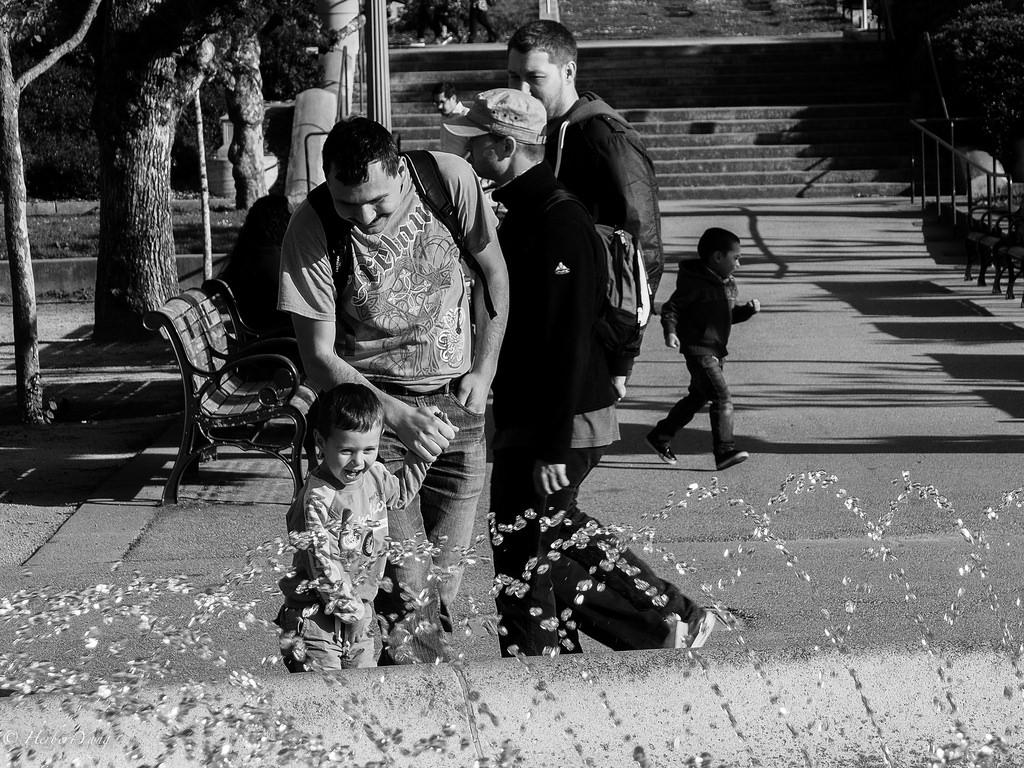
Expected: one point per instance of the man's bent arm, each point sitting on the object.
(418, 428)
(476, 384)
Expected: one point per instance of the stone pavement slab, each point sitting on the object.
(871, 359)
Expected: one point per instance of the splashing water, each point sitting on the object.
(126, 619)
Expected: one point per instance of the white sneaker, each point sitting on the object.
(694, 635)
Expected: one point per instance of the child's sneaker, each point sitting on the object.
(729, 459)
(662, 448)
(692, 635)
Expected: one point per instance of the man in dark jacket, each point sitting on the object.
(697, 319)
(554, 408)
(593, 150)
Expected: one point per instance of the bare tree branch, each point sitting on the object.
(61, 50)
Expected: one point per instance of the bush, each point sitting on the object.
(285, 64)
(58, 142)
(980, 56)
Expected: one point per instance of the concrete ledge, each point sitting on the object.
(68, 276)
(652, 708)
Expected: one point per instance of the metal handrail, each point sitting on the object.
(991, 176)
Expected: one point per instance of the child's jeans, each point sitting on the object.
(327, 643)
(707, 384)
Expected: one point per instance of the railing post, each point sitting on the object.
(924, 177)
(938, 182)
(952, 171)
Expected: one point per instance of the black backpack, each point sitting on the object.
(627, 305)
(426, 177)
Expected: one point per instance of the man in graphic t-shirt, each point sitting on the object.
(403, 323)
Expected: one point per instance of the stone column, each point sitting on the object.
(378, 71)
(317, 109)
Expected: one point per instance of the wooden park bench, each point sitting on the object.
(990, 225)
(235, 394)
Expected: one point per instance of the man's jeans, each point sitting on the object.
(546, 599)
(707, 384)
(434, 530)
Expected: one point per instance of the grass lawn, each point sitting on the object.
(65, 237)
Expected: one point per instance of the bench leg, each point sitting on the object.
(186, 456)
(298, 450)
(971, 249)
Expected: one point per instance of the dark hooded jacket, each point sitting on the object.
(702, 309)
(598, 156)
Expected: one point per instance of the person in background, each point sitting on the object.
(446, 101)
(253, 266)
(697, 319)
(593, 150)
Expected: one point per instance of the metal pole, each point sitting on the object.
(204, 187)
(864, 17)
(378, 72)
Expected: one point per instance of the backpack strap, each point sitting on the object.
(338, 232)
(432, 189)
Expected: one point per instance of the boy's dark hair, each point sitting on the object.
(352, 407)
(445, 89)
(546, 36)
(715, 239)
(353, 144)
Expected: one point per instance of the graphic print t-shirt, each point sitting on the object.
(404, 314)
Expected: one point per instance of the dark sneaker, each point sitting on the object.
(731, 458)
(692, 635)
(662, 448)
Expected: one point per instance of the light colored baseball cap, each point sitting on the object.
(504, 112)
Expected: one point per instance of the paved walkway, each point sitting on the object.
(871, 362)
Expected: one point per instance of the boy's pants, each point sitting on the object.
(329, 643)
(707, 384)
(623, 615)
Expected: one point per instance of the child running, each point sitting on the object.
(339, 528)
(697, 320)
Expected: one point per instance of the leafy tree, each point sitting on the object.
(981, 56)
(18, 20)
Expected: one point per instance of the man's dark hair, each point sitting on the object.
(353, 144)
(353, 407)
(445, 89)
(715, 239)
(546, 36)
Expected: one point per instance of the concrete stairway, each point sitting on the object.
(726, 118)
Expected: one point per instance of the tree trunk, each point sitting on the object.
(140, 94)
(245, 109)
(19, 254)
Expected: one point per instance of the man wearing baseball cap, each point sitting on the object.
(554, 403)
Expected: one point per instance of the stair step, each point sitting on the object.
(724, 166)
(742, 118)
(758, 151)
(768, 138)
(773, 178)
(816, 189)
